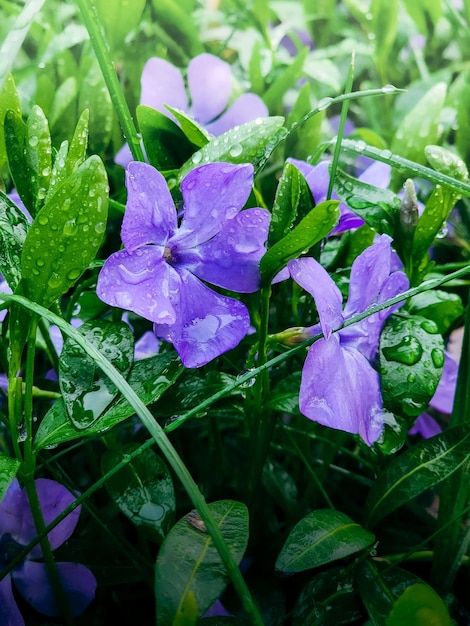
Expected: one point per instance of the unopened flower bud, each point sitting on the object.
(292, 336)
(409, 209)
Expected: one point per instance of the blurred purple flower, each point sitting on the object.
(340, 388)
(209, 81)
(159, 273)
(30, 576)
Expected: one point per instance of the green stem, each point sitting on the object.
(29, 461)
(92, 24)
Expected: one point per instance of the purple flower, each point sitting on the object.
(159, 273)
(209, 81)
(30, 577)
(340, 388)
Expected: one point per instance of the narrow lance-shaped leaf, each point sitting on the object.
(416, 470)
(38, 149)
(13, 228)
(9, 101)
(8, 470)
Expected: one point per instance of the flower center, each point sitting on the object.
(9, 548)
(170, 255)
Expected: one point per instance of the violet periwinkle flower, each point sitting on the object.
(340, 387)
(159, 273)
(207, 100)
(30, 576)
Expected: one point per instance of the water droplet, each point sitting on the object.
(437, 356)
(42, 219)
(196, 158)
(247, 383)
(430, 327)
(389, 89)
(409, 351)
(40, 262)
(236, 150)
(33, 141)
(324, 103)
(73, 274)
(46, 171)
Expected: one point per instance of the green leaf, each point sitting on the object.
(424, 13)
(273, 96)
(384, 28)
(85, 390)
(314, 226)
(9, 101)
(119, 18)
(66, 234)
(65, 95)
(379, 208)
(411, 356)
(189, 573)
(416, 470)
(166, 146)
(149, 378)
(249, 143)
(303, 142)
(8, 470)
(446, 162)
(321, 537)
(94, 96)
(13, 229)
(195, 133)
(78, 146)
(419, 605)
(442, 307)
(179, 24)
(292, 196)
(143, 489)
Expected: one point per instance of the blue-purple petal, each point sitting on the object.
(443, 398)
(9, 612)
(210, 84)
(162, 83)
(12, 506)
(141, 281)
(246, 108)
(79, 585)
(341, 390)
(150, 215)
(207, 324)
(426, 426)
(312, 277)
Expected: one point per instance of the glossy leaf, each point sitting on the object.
(419, 468)
(13, 229)
(250, 143)
(143, 489)
(419, 605)
(166, 146)
(189, 573)
(86, 391)
(411, 357)
(195, 133)
(8, 470)
(149, 378)
(292, 197)
(66, 235)
(302, 143)
(444, 308)
(378, 207)
(321, 537)
(9, 101)
(315, 225)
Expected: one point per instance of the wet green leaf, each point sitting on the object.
(149, 378)
(314, 226)
(416, 470)
(94, 96)
(13, 229)
(189, 573)
(86, 391)
(250, 143)
(303, 142)
(66, 234)
(9, 101)
(320, 537)
(8, 470)
(143, 489)
(411, 357)
(195, 133)
(444, 308)
(419, 605)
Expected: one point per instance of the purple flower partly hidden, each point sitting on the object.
(159, 273)
(209, 82)
(340, 387)
(30, 576)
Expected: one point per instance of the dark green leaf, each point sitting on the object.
(442, 307)
(149, 378)
(66, 235)
(86, 391)
(419, 605)
(9, 101)
(15, 143)
(315, 225)
(195, 133)
(189, 573)
(13, 228)
(416, 470)
(320, 537)
(250, 143)
(411, 358)
(8, 469)
(143, 489)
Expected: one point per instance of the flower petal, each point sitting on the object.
(9, 612)
(162, 83)
(246, 108)
(231, 258)
(12, 507)
(426, 426)
(212, 194)
(207, 324)
(339, 389)
(79, 584)
(312, 277)
(150, 215)
(140, 281)
(368, 274)
(443, 398)
(210, 84)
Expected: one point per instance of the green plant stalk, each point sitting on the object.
(29, 460)
(450, 547)
(91, 21)
(165, 446)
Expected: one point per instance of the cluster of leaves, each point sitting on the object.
(324, 529)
